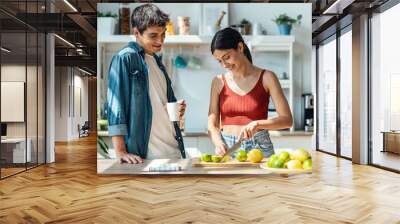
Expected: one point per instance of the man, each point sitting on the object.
(138, 90)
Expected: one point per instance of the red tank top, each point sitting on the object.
(241, 110)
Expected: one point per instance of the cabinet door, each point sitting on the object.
(205, 145)
(191, 147)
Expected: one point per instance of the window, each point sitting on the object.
(327, 96)
(346, 94)
(385, 89)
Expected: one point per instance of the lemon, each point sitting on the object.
(294, 164)
(300, 154)
(255, 155)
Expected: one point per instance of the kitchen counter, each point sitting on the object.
(272, 133)
(201, 133)
(290, 133)
(112, 166)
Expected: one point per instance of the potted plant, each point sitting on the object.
(285, 23)
(246, 26)
(106, 23)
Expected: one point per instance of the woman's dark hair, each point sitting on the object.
(148, 15)
(229, 38)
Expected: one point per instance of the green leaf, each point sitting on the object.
(103, 148)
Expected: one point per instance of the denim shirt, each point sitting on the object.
(128, 101)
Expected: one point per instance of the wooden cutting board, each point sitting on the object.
(230, 164)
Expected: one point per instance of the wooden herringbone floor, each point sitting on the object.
(70, 191)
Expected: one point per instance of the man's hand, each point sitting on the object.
(125, 157)
(182, 108)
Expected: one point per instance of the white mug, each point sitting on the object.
(173, 111)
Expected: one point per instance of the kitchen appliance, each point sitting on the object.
(308, 107)
(3, 131)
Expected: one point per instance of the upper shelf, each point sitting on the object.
(263, 40)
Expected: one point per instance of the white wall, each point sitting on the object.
(67, 120)
(264, 14)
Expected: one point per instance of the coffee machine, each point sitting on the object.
(308, 107)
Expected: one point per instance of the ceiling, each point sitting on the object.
(75, 21)
(77, 27)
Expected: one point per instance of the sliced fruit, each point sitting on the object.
(206, 157)
(216, 158)
(226, 158)
(255, 155)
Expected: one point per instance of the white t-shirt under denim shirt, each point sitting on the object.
(162, 143)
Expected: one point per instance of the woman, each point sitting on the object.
(240, 98)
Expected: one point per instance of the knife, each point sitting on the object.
(233, 148)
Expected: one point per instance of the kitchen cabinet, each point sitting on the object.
(197, 145)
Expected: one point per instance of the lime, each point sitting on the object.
(307, 164)
(271, 160)
(216, 158)
(284, 156)
(226, 158)
(206, 157)
(277, 163)
(241, 156)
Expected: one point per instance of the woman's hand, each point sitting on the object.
(221, 148)
(249, 130)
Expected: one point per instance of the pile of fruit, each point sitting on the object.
(298, 159)
(254, 156)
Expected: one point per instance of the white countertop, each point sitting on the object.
(112, 166)
(204, 133)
